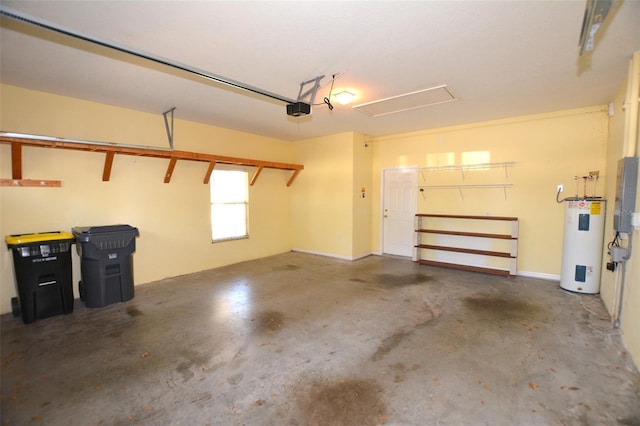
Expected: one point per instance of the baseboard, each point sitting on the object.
(332, 255)
(528, 274)
(540, 275)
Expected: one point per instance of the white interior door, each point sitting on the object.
(399, 206)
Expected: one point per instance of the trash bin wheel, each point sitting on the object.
(81, 290)
(15, 307)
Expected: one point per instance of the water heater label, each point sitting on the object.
(595, 208)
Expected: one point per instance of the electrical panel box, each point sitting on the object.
(627, 181)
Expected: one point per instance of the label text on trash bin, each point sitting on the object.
(112, 256)
(45, 259)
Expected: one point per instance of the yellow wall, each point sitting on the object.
(547, 149)
(622, 144)
(322, 199)
(173, 219)
(362, 154)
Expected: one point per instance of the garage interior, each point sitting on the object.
(468, 120)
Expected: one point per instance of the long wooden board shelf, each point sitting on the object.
(110, 150)
(31, 182)
(459, 237)
(460, 216)
(501, 272)
(467, 234)
(466, 250)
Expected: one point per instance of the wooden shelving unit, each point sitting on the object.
(422, 227)
(110, 150)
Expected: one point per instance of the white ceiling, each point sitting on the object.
(500, 58)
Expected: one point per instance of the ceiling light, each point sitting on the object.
(344, 98)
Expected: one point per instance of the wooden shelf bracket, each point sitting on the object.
(255, 175)
(108, 162)
(172, 165)
(16, 160)
(207, 176)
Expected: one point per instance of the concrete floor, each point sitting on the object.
(297, 339)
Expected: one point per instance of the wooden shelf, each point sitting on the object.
(458, 216)
(501, 272)
(17, 141)
(464, 235)
(466, 250)
(31, 182)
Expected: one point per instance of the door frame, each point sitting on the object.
(384, 170)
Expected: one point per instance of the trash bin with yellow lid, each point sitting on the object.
(42, 264)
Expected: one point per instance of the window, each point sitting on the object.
(229, 204)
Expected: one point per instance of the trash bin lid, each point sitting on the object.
(21, 239)
(87, 231)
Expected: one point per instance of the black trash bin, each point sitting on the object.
(106, 263)
(42, 264)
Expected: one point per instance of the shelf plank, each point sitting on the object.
(466, 250)
(31, 182)
(468, 234)
(457, 216)
(502, 272)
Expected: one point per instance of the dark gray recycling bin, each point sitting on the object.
(106, 263)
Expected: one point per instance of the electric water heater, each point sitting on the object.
(582, 245)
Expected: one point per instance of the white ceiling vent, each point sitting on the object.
(408, 101)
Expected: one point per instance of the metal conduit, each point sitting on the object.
(140, 54)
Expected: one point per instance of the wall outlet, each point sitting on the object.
(560, 188)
